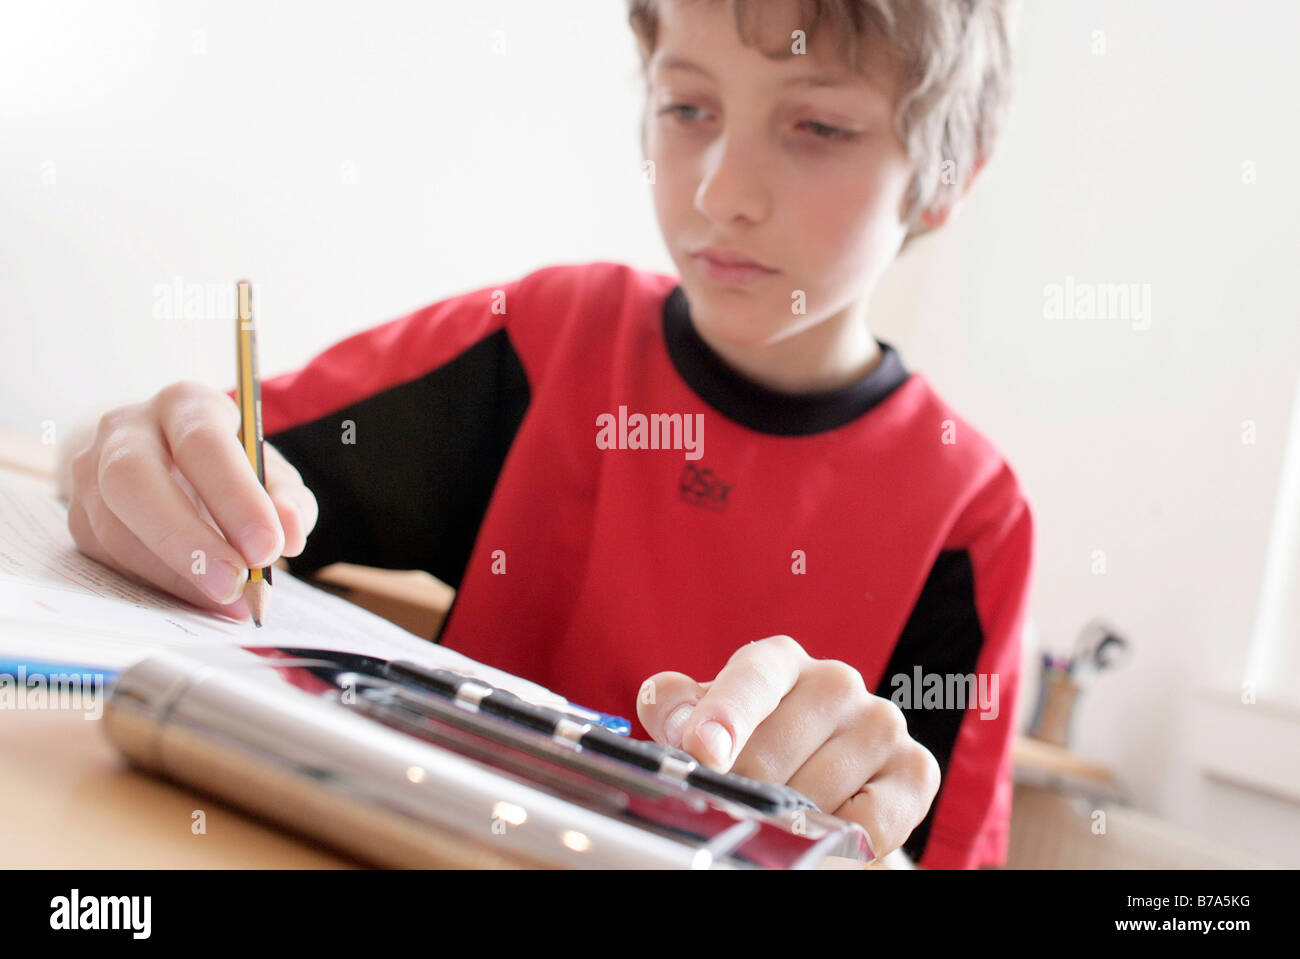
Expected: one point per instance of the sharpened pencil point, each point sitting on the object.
(258, 595)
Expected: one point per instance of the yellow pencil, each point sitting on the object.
(257, 591)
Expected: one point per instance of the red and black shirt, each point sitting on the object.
(871, 523)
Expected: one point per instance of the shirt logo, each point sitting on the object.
(702, 487)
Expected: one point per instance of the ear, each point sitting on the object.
(938, 214)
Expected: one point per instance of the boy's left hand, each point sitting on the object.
(776, 714)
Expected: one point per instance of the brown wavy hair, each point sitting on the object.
(955, 61)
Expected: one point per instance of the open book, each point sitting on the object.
(59, 606)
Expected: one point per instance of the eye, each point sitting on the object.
(825, 132)
(676, 108)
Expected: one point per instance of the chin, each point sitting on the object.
(735, 323)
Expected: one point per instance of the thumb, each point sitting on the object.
(664, 706)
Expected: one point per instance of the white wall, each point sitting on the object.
(358, 162)
(208, 142)
(1128, 167)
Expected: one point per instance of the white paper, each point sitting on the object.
(59, 605)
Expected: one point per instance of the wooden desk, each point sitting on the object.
(1045, 765)
(68, 800)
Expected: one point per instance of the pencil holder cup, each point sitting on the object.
(1056, 699)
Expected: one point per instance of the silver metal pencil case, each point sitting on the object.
(396, 777)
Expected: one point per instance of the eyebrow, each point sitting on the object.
(803, 80)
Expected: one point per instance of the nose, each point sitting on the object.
(733, 185)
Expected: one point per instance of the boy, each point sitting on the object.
(718, 497)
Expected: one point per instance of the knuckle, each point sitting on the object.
(118, 467)
(926, 768)
(747, 661)
(758, 684)
(786, 644)
(759, 655)
(839, 681)
(196, 434)
(888, 717)
(178, 393)
(744, 653)
(111, 421)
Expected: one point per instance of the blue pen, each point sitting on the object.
(615, 724)
(35, 667)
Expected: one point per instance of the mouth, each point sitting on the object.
(731, 266)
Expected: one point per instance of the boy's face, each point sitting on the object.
(808, 180)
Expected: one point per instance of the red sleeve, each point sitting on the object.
(388, 355)
(973, 810)
(400, 431)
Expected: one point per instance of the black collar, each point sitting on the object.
(758, 407)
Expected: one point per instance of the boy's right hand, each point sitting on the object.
(164, 493)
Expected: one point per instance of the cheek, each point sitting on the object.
(674, 187)
(852, 219)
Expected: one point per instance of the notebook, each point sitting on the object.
(58, 605)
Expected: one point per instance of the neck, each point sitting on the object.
(832, 354)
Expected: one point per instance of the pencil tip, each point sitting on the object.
(258, 595)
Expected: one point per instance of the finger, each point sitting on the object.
(136, 487)
(664, 705)
(294, 503)
(108, 541)
(297, 517)
(291, 522)
(747, 690)
(895, 801)
(122, 550)
(836, 771)
(196, 427)
(825, 701)
(287, 477)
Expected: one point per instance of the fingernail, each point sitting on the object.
(257, 543)
(224, 581)
(676, 723)
(717, 740)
